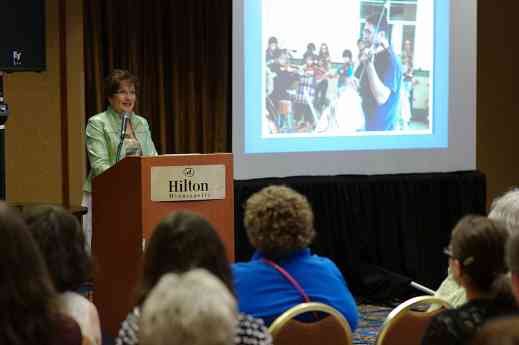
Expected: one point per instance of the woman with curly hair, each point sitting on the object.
(62, 243)
(28, 305)
(283, 272)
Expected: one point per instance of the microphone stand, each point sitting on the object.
(124, 123)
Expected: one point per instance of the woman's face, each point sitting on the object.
(124, 99)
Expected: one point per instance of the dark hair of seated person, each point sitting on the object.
(478, 244)
(28, 313)
(180, 242)
(477, 260)
(62, 243)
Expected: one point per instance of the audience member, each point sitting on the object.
(62, 243)
(504, 209)
(503, 331)
(181, 242)
(476, 257)
(512, 260)
(28, 311)
(193, 308)
(283, 272)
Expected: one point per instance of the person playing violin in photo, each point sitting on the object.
(379, 76)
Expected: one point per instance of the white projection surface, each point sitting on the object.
(353, 87)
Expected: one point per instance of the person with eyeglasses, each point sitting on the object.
(103, 135)
(505, 209)
(477, 260)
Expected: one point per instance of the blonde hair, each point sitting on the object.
(191, 308)
(279, 221)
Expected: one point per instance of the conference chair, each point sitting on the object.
(332, 329)
(406, 324)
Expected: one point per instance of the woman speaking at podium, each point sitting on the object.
(105, 132)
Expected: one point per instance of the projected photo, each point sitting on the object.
(347, 68)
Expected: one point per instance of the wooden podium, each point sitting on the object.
(124, 215)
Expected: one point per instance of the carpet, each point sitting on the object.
(371, 318)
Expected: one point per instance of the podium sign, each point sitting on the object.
(188, 182)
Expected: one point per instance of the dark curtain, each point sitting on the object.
(181, 53)
(381, 230)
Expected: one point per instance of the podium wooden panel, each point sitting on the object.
(123, 214)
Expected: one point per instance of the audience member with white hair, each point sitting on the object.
(512, 260)
(193, 308)
(504, 209)
(181, 242)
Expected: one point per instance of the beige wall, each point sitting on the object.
(33, 132)
(497, 106)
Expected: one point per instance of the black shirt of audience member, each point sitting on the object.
(458, 326)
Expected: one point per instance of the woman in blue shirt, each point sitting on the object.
(279, 223)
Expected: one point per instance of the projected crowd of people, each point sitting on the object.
(371, 90)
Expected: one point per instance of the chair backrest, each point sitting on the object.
(333, 329)
(405, 326)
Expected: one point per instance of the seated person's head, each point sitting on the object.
(180, 242)
(62, 243)
(477, 249)
(506, 210)
(512, 260)
(279, 221)
(26, 291)
(502, 331)
(193, 308)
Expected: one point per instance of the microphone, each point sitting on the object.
(124, 124)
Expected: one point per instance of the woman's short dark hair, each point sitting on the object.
(113, 81)
(478, 243)
(279, 221)
(272, 40)
(62, 243)
(180, 242)
(26, 292)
